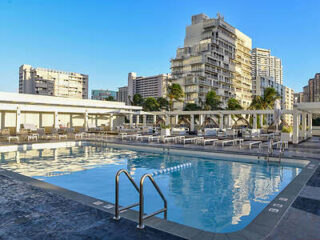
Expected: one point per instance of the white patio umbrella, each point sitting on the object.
(277, 113)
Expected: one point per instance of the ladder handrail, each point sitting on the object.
(117, 209)
(141, 201)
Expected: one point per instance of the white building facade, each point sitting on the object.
(122, 95)
(216, 56)
(151, 86)
(43, 81)
(265, 65)
(259, 85)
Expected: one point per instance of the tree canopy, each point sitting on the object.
(266, 101)
(109, 98)
(233, 104)
(151, 104)
(191, 107)
(175, 93)
(213, 101)
(163, 103)
(137, 100)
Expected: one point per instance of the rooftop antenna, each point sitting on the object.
(219, 16)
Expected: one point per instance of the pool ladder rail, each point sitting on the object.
(142, 217)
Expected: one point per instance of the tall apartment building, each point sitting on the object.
(259, 85)
(122, 95)
(43, 81)
(216, 56)
(265, 65)
(298, 97)
(311, 92)
(151, 86)
(103, 94)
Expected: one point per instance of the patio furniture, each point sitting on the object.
(204, 141)
(224, 142)
(249, 144)
(10, 138)
(189, 140)
(211, 131)
(238, 141)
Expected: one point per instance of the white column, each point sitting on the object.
(167, 119)
(111, 122)
(137, 119)
(191, 122)
(40, 120)
(309, 124)
(144, 120)
(221, 121)
(154, 119)
(96, 120)
(71, 120)
(86, 120)
(176, 118)
(254, 121)
(3, 120)
(130, 119)
(261, 120)
(295, 137)
(56, 123)
(304, 124)
(18, 120)
(201, 119)
(229, 120)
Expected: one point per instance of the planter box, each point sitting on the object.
(165, 132)
(286, 137)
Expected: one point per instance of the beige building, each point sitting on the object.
(265, 65)
(311, 92)
(122, 95)
(287, 103)
(298, 97)
(43, 81)
(215, 56)
(151, 86)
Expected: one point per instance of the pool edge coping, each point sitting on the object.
(260, 227)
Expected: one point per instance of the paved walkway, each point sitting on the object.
(27, 212)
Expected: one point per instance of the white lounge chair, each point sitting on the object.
(249, 144)
(224, 142)
(204, 141)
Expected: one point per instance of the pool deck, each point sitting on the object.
(26, 204)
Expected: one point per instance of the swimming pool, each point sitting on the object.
(216, 195)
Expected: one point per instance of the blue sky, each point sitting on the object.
(107, 39)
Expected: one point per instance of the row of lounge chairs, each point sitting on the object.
(201, 140)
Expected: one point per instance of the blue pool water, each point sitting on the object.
(213, 195)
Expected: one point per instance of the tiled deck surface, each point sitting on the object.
(30, 213)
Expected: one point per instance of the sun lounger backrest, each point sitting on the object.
(211, 131)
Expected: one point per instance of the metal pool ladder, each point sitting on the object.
(118, 210)
(142, 217)
(141, 201)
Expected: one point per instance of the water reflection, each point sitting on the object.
(213, 195)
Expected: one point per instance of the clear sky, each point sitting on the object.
(108, 38)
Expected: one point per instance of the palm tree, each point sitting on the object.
(266, 101)
(175, 93)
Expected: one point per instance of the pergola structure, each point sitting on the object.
(17, 109)
(302, 117)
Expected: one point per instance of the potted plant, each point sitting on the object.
(286, 134)
(165, 130)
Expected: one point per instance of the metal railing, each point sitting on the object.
(143, 217)
(118, 210)
(281, 151)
